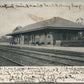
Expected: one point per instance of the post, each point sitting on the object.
(21, 40)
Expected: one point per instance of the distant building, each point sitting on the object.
(49, 32)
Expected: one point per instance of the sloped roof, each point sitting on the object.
(55, 22)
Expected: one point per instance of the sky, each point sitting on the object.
(10, 18)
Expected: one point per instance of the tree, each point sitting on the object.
(80, 20)
(17, 28)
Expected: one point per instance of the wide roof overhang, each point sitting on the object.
(43, 28)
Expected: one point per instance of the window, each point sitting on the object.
(37, 42)
(48, 36)
(42, 43)
(25, 39)
(49, 43)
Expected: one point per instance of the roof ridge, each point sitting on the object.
(43, 21)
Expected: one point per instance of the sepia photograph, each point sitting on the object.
(42, 42)
(41, 33)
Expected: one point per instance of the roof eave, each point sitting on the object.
(47, 27)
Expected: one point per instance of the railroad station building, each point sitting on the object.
(51, 32)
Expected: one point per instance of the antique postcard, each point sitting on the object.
(41, 41)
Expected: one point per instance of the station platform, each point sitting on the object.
(73, 49)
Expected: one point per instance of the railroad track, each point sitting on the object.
(39, 57)
(32, 58)
(4, 61)
(61, 52)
